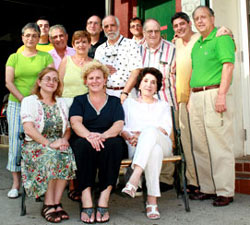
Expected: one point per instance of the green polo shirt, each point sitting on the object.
(208, 57)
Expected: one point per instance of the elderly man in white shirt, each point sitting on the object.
(121, 55)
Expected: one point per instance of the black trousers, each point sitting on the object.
(107, 161)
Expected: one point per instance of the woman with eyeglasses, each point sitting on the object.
(20, 75)
(48, 160)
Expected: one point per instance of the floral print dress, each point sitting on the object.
(40, 163)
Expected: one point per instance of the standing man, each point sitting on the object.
(43, 45)
(135, 27)
(160, 54)
(184, 43)
(211, 109)
(121, 55)
(94, 27)
(58, 37)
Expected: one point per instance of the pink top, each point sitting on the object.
(57, 59)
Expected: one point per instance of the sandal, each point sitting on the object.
(62, 213)
(154, 211)
(74, 195)
(102, 211)
(130, 190)
(51, 216)
(89, 211)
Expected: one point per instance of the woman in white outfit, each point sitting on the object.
(147, 129)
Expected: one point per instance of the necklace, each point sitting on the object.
(81, 61)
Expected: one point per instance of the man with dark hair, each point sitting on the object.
(211, 110)
(135, 27)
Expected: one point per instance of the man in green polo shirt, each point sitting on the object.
(210, 108)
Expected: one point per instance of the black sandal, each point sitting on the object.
(74, 195)
(102, 211)
(89, 211)
(62, 213)
(52, 216)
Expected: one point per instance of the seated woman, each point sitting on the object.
(48, 161)
(97, 119)
(148, 125)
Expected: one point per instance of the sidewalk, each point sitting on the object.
(126, 211)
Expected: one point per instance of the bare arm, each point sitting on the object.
(130, 83)
(226, 78)
(9, 83)
(62, 69)
(114, 130)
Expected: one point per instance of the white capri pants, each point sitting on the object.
(151, 148)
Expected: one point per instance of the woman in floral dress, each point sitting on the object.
(48, 161)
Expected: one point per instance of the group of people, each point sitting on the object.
(82, 107)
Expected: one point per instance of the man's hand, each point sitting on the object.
(224, 31)
(220, 103)
(112, 69)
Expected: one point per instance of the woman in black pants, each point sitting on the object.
(96, 119)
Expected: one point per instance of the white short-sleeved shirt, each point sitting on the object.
(124, 55)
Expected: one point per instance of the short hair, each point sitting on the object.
(116, 20)
(211, 12)
(80, 34)
(155, 72)
(37, 88)
(136, 18)
(148, 20)
(43, 18)
(32, 26)
(181, 15)
(57, 26)
(97, 17)
(92, 66)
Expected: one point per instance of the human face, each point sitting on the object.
(94, 26)
(203, 21)
(49, 82)
(81, 46)
(96, 81)
(30, 38)
(136, 28)
(59, 39)
(44, 27)
(152, 34)
(111, 28)
(182, 28)
(148, 85)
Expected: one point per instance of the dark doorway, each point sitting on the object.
(14, 14)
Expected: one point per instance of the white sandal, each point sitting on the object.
(130, 189)
(153, 211)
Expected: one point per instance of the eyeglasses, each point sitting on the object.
(135, 25)
(31, 35)
(150, 32)
(48, 79)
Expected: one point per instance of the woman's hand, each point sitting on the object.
(134, 138)
(163, 130)
(96, 140)
(61, 144)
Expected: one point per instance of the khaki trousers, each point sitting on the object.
(213, 136)
(186, 144)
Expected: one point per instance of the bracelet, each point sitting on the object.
(124, 92)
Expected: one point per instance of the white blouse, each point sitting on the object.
(32, 111)
(139, 115)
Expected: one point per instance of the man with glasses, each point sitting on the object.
(94, 27)
(160, 54)
(58, 37)
(121, 55)
(135, 27)
(43, 44)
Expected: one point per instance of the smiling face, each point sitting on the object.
(182, 28)
(204, 21)
(94, 26)
(81, 45)
(152, 33)
(30, 38)
(49, 82)
(58, 38)
(96, 81)
(148, 85)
